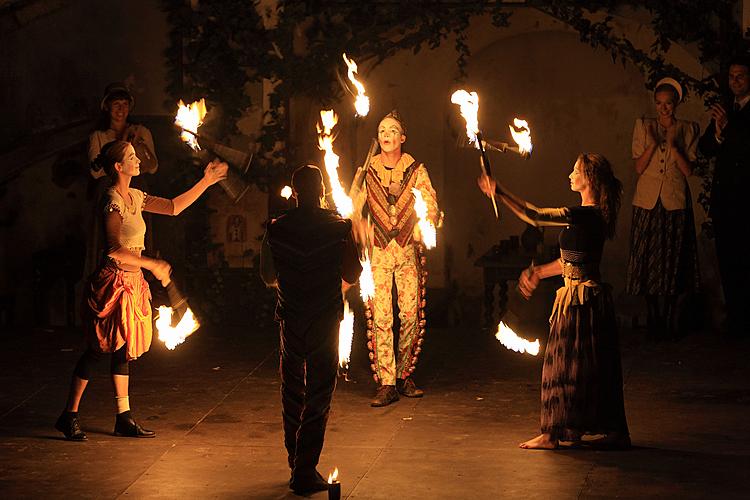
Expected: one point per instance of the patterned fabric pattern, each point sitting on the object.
(663, 255)
(582, 376)
(405, 265)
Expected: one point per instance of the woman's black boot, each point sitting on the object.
(68, 424)
(127, 427)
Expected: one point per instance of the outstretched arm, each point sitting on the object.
(523, 209)
(214, 172)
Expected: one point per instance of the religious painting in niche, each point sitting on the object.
(236, 229)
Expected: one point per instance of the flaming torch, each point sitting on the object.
(469, 105)
(334, 486)
(328, 120)
(366, 280)
(522, 135)
(426, 228)
(188, 119)
(173, 335)
(286, 192)
(361, 101)
(346, 333)
(509, 339)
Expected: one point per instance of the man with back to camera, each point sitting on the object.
(308, 255)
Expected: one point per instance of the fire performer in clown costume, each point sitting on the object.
(397, 255)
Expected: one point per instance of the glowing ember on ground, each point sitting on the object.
(286, 192)
(189, 118)
(509, 339)
(522, 138)
(361, 101)
(429, 235)
(346, 333)
(333, 477)
(366, 281)
(172, 336)
(468, 103)
(325, 143)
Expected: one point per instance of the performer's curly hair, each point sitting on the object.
(606, 187)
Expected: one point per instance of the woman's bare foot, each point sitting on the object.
(541, 442)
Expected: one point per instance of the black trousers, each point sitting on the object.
(735, 278)
(309, 361)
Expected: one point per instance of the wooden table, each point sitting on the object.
(499, 267)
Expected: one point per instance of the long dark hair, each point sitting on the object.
(607, 188)
(111, 153)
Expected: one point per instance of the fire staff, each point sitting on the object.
(582, 375)
(386, 195)
(117, 301)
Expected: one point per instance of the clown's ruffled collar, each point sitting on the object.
(396, 173)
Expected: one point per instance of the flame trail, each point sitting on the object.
(346, 334)
(522, 137)
(509, 339)
(325, 143)
(172, 336)
(366, 280)
(469, 106)
(361, 101)
(429, 235)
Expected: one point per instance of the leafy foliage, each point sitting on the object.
(221, 46)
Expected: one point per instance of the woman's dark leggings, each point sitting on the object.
(118, 363)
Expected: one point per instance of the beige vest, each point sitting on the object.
(662, 179)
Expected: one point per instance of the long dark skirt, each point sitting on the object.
(663, 252)
(582, 373)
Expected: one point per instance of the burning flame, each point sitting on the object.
(509, 339)
(172, 336)
(429, 236)
(469, 105)
(522, 138)
(361, 101)
(325, 143)
(366, 280)
(346, 333)
(189, 118)
(286, 192)
(333, 477)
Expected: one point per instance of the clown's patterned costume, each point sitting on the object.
(388, 199)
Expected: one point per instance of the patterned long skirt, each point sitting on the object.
(582, 373)
(663, 252)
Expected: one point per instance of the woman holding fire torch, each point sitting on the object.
(582, 375)
(117, 310)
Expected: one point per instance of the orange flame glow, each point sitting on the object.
(325, 143)
(333, 477)
(469, 105)
(426, 227)
(509, 339)
(172, 336)
(346, 334)
(361, 101)
(366, 280)
(189, 118)
(522, 138)
(286, 192)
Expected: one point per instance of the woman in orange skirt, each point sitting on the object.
(117, 303)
